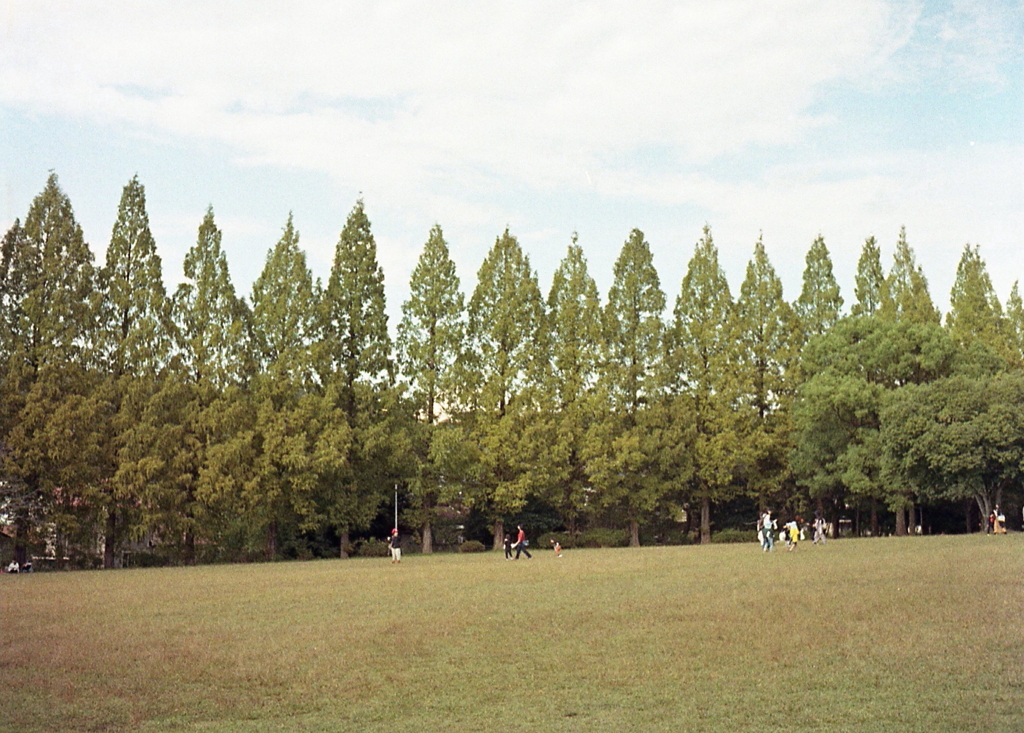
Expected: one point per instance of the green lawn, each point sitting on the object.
(916, 634)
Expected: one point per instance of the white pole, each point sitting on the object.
(396, 506)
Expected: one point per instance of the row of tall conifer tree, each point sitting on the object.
(213, 425)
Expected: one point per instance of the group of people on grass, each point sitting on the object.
(790, 533)
(520, 545)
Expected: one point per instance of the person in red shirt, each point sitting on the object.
(521, 543)
(395, 545)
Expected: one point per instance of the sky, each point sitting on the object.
(784, 120)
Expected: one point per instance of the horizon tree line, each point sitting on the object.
(217, 425)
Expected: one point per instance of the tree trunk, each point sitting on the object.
(108, 540)
(190, 538)
(874, 518)
(634, 532)
(705, 521)
(343, 543)
(427, 536)
(901, 522)
(499, 534)
(912, 522)
(21, 542)
(985, 507)
(190, 548)
(272, 540)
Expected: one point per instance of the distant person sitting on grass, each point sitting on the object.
(396, 546)
(521, 544)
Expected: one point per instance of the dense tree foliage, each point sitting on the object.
(431, 341)
(621, 451)
(208, 426)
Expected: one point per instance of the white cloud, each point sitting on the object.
(394, 95)
(468, 115)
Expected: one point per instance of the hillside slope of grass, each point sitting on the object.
(918, 634)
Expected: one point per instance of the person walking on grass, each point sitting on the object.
(767, 526)
(521, 543)
(792, 535)
(508, 546)
(396, 546)
(819, 528)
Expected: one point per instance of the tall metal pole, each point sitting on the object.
(396, 506)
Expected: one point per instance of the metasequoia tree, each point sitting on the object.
(431, 339)
(507, 361)
(574, 317)
(703, 359)
(299, 435)
(134, 347)
(820, 303)
(51, 453)
(766, 337)
(200, 401)
(355, 361)
(905, 295)
(975, 316)
(870, 280)
(622, 455)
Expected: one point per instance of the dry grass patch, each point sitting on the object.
(921, 634)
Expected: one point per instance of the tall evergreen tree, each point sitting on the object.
(508, 360)
(49, 460)
(574, 312)
(431, 335)
(135, 337)
(284, 313)
(431, 339)
(766, 338)
(820, 303)
(633, 326)
(704, 357)
(134, 346)
(211, 320)
(975, 314)
(19, 265)
(622, 459)
(356, 362)
(870, 280)
(1015, 324)
(355, 321)
(194, 479)
(299, 437)
(905, 295)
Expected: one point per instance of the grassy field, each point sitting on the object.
(918, 634)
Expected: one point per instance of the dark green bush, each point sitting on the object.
(563, 538)
(602, 537)
(735, 535)
(472, 546)
(372, 547)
